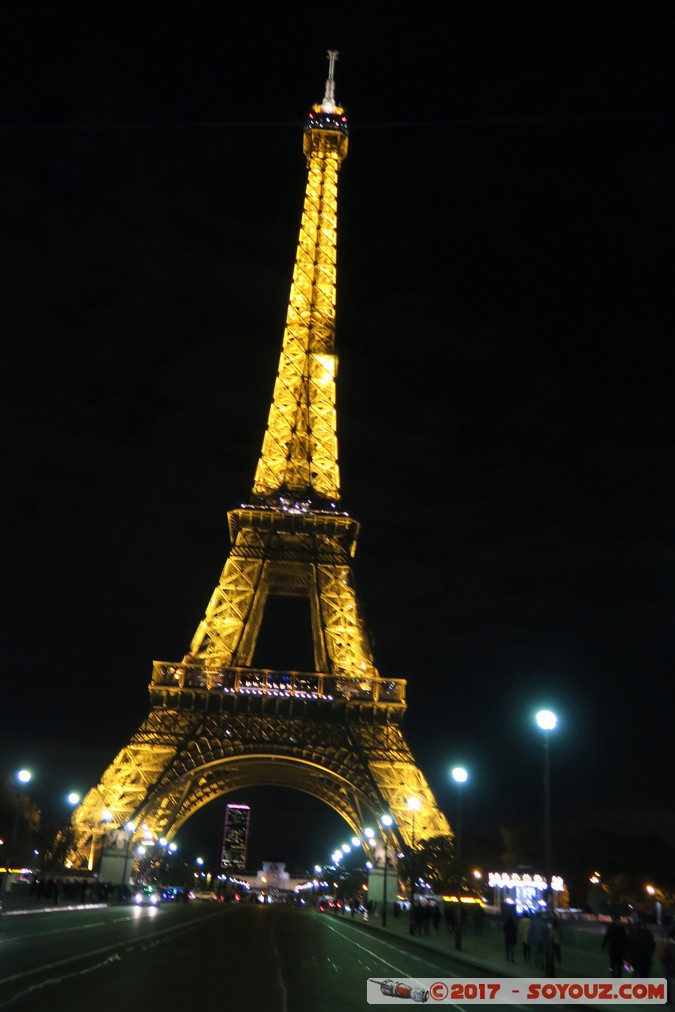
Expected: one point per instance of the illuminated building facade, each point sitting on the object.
(235, 838)
(523, 891)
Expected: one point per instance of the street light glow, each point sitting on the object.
(387, 821)
(24, 776)
(460, 776)
(73, 798)
(547, 720)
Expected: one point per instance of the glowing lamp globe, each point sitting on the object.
(547, 720)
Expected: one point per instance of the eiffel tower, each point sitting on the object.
(218, 724)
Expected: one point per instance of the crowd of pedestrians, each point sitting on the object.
(536, 938)
(424, 914)
(538, 935)
(632, 948)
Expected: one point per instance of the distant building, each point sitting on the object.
(235, 838)
(273, 879)
(523, 890)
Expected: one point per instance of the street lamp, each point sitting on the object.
(23, 777)
(387, 822)
(547, 721)
(658, 906)
(414, 805)
(460, 776)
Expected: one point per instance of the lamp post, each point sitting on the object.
(23, 777)
(460, 776)
(658, 906)
(317, 883)
(547, 721)
(414, 805)
(387, 822)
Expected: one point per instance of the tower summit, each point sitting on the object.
(299, 460)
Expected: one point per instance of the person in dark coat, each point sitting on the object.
(615, 940)
(666, 953)
(538, 939)
(641, 949)
(524, 926)
(510, 938)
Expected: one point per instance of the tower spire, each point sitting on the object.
(298, 465)
(328, 104)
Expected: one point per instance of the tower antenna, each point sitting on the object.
(328, 103)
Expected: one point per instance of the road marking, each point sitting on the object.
(122, 944)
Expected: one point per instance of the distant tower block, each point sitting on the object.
(235, 838)
(217, 723)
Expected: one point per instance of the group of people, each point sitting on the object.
(538, 935)
(634, 946)
(423, 914)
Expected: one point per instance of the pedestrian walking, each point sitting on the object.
(510, 938)
(666, 952)
(524, 925)
(615, 940)
(641, 949)
(556, 939)
(538, 939)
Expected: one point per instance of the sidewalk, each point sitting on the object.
(19, 900)
(581, 948)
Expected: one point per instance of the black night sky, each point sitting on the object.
(505, 406)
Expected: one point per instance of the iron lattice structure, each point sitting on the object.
(216, 723)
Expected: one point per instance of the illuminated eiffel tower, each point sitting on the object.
(216, 723)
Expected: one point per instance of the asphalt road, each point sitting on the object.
(274, 958)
